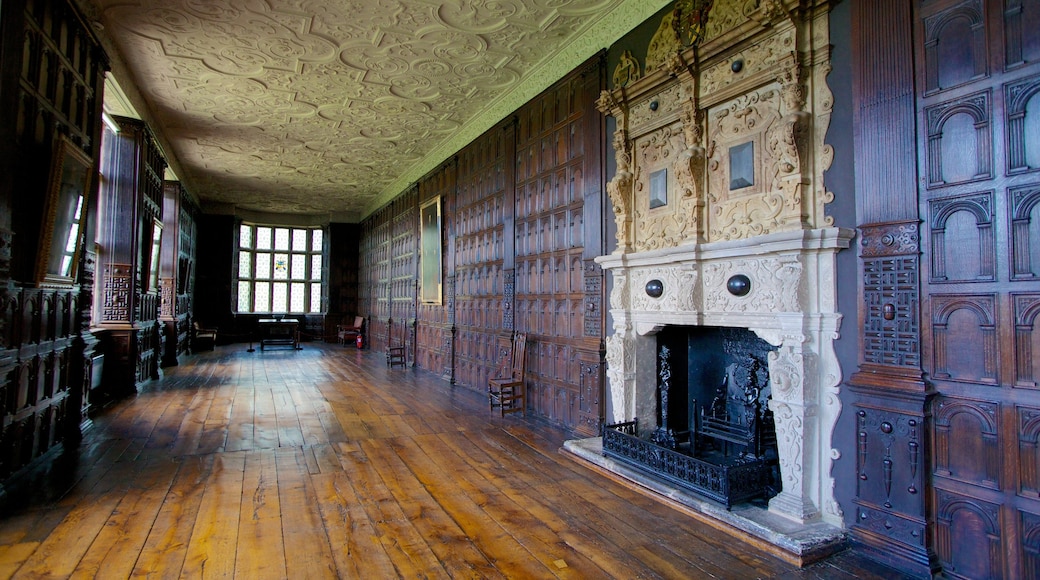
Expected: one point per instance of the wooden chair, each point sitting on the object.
(202, 338)
(508, 392)
(349, 332)
(395, 349)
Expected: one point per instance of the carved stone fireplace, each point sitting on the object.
(719, 203)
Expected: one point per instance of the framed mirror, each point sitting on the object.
(430, 250)
(61, 233)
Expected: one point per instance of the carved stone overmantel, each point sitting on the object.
(720, 159)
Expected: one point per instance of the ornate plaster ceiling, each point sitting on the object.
(336, 106)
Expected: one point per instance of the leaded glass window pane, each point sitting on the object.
(279, 297)
(299, 240)
(316, 267)
(263, 266)
(297, 297)
(281, 239)
(315, 298)
(262, 299)
(244, 302)
(263, 238)
(245, 236)
(245, 264)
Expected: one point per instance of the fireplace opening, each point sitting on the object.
(713, 432)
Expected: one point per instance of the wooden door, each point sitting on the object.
(978, 109)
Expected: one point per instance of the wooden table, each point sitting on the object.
(278, 331)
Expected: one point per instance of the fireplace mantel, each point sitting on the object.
(720, 156)
(790, 305)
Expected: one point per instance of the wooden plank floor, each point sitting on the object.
(322, 463)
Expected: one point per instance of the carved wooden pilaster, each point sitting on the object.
(891, 411)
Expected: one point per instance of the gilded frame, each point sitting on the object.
(68, 192)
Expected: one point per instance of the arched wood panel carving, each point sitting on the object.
(955, 46)
(968, 245)
(966, 441)
(970, 150)
(963, 521)
(964, 336)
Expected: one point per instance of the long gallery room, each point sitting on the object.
(522, 289)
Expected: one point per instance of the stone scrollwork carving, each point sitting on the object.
(775, 286)
(664, 44)
(727, 15)
(620, 359)
(680, 290)
(659, 228)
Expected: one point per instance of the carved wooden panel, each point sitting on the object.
(1027, 340)
(955, 46)
(960, 141)
(966, 441)
(1024, 203)
(1019, 100)
(964, 337)
(1021, 44)
(1028, 420)
(962, 238)
(891, 323)
(967, 521)
(1029, 534)
(35, 384)
(890, 460)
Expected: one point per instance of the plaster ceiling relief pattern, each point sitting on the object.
(322, 106)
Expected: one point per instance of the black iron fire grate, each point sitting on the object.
(726, 480)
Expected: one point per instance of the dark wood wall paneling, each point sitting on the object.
(523, 207)
(433, 326)
(481, 251)
(948, 408)
(342, 272)
(51, 81)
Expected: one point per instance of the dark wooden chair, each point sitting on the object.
(202, 338)
(508, 392)
(395, 348)
(349, 332)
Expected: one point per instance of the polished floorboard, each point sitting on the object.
(323, 463)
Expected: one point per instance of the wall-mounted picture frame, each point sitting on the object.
(152, 257)
(430, 250)
(61, 233)
(742, 166)
(659, 188)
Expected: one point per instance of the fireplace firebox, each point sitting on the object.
(715, 435)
